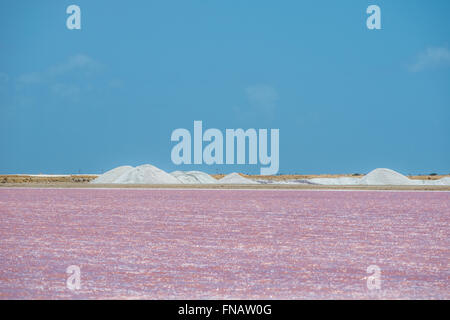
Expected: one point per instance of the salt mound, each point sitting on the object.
(202, 177)
(444, 181)
(236, 178)
(111, 175)
(340, 181)
(193, 177)
(380, 177)
(440, 182)
(146, 174)
(184, 178)
(383, 176)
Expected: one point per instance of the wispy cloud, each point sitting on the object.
(262, 98)
(79, 62)
(433, 57)
(4, 78)
(115, 83)
(65, 90)
(58, 78)
(31, 78)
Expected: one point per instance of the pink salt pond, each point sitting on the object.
(223, 244)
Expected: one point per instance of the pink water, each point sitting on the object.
(223, 244)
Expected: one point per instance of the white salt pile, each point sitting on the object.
(341, 181)
(184, 178)
(193, 177)
(302, 182)
(236, 178)
(443, 181)
(111, 175)
(439, 182)
(202, 177)
(148, 174)
(380, 177)
(145, 174)
(383, 176)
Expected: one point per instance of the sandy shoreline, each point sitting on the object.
(82, 181)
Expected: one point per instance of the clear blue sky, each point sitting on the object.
(346, 99)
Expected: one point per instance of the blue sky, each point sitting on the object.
(346, 99)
